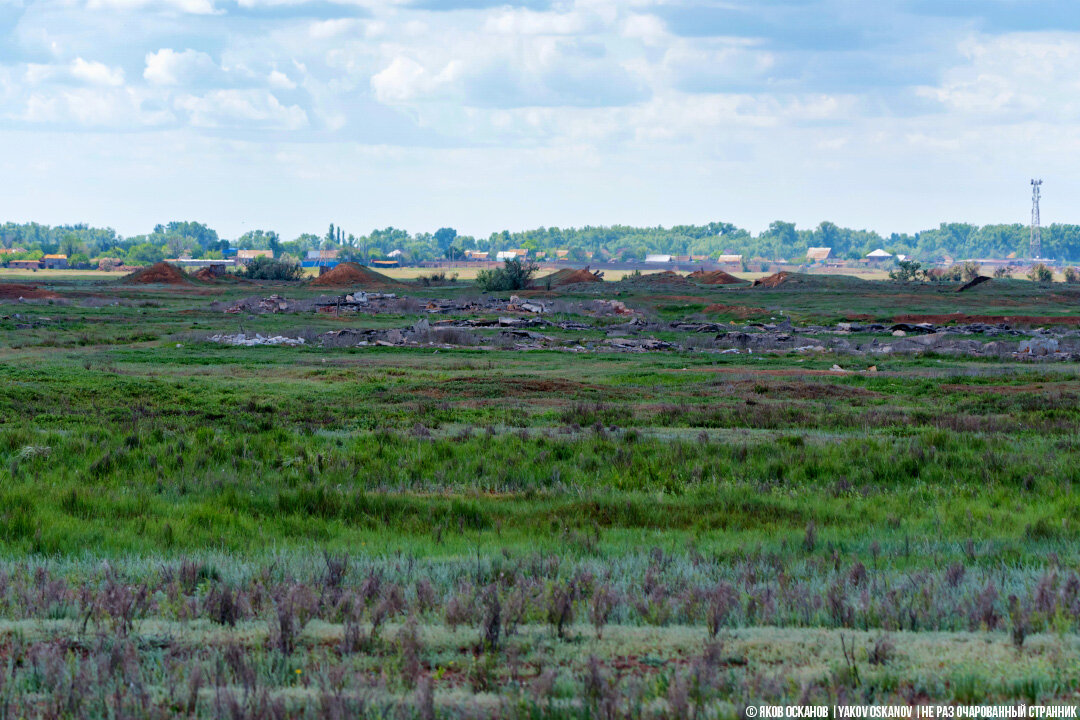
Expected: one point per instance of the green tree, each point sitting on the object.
(444, 237)
(514, 275)
(145, 254)
(264, 268)
(1040, 273)
(906, 270)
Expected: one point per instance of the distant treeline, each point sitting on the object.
(781, 241)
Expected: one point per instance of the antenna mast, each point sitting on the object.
(1036, 231)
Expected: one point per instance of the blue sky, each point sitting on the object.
(893, 115)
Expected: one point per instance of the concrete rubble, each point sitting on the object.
(518, 324)
(256, 339)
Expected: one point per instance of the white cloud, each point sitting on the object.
(168, 67)
(647, 28)
(529, 22)
(96, 73)
(92, 108)
(193, 7)
(250, 109)
(326, 29)
(637, 85)
(280, 81)
(404, 79)
(1017, 76)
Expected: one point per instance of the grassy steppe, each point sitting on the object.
(168, 504)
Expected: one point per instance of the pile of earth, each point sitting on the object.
(814, 281)
(14, 291)
(161, 273)
(715, 277)
(568, 276)
(667, 280)
(772, 281)
(208, 275)
(351, 274)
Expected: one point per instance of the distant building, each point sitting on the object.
(322, 254)
(12, 251)
(25, 265)
(657, 258)
(54, 262)
(475, 255)
(190, 263)
(385, 263)
(818, 254)
(518, 254)
(730, 259)
(878, 255)
(245, 256)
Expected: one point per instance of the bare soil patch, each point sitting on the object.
(1007, 319)
(161, 273)
(14, 291)
(567, 276)
(715, 277)
(772, 281)
(740, 311)
(766, 372)
(351, 274)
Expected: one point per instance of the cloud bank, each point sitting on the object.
(492, 114)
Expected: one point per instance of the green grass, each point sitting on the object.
(127, 439)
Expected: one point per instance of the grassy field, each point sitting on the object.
(194, 528)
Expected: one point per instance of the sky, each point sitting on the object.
(483, 115)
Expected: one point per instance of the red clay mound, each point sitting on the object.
(772, 281)
(568, 276)
(351, 274)
(715, 277)
(669, 277)
(161, 273)
(666, 280)
(206, 275)
(14, 291)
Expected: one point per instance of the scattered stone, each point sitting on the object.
(253, 340)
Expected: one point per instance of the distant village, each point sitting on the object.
(816, 259)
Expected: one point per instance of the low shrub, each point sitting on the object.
(265, 268)
(1040, 273)
(514, 275)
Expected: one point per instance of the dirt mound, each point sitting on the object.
(161, 273)
(775, 280)
(715, 277)
(568, 276)
(14, 291)
(351, 274)
(665, 280)
(208, 275)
